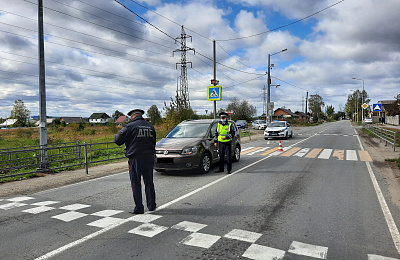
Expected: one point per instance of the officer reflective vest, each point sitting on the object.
(223, 130)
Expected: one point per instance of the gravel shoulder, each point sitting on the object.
(378, 151)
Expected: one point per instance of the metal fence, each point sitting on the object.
(389, 136)
(25, 160)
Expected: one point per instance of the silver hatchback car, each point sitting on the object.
(190, 146)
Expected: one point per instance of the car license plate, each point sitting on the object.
(273, 134)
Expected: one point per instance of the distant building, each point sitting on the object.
(301, 115)
(69, 120)
(8, 123)
(283, 114)
(121, 120)
(99, 118)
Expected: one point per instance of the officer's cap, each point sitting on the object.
(223, 114)
(135, 111)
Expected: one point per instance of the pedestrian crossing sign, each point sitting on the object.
(377, 107)
(214, 93)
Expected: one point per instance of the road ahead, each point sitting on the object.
(319, 199)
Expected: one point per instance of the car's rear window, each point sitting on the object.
(189, 131)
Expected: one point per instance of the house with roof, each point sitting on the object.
(68, 120)
(284, 114)
(120, 121)
(301, 115)
(388, 119)
(99, 118)
(8, 122)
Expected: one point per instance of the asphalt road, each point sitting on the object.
(321, 198)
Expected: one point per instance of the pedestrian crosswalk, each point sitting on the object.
(318, 153)
(148, 227)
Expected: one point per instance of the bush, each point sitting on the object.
(89, 132)
(25, 132)
(77, 127)
(112, 128)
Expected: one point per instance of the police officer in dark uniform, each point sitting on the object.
(139, 138)
(223, 136)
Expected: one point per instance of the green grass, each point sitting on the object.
(397, 161)
(18, 178)
(18, 138)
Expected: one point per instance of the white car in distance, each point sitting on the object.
(278, 129)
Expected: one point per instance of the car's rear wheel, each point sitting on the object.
(236, 154)
(291, 135)
(205, 163)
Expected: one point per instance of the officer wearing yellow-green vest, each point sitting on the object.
(223, 136)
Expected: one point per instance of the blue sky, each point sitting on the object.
(100, 57)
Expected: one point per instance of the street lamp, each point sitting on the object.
(362, 98)
(269, 83)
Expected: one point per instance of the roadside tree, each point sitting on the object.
(330, 110)
(117, 114)
(21, 113)
(154, 114)
(241, 110)
(315, 102)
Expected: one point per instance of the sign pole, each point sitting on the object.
(215, 77)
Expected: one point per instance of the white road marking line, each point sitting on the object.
(299, 248)
(385, 209)
(19, 199)
(243, 235)
(378, 257)
(258, 252)
(148, 230)
(69, 216)
(76, 206)
(325, 154)
(189, 226)
(248, 148)
(200, 240)
(45, 203)
(145, 218)
(104, 222)
(80, 241)
(97, 233)
(394, 231)
(351, 155)
(106, 213)
(260, 150)
(302, 152)
(39, 209)
(12, 205)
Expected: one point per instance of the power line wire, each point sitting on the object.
(99, 25)
(145, 20)
(170, 20)
(283, 26)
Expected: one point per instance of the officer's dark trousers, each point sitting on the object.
(142, 165)
(225, 150)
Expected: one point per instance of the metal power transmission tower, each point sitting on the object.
(182, 90)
